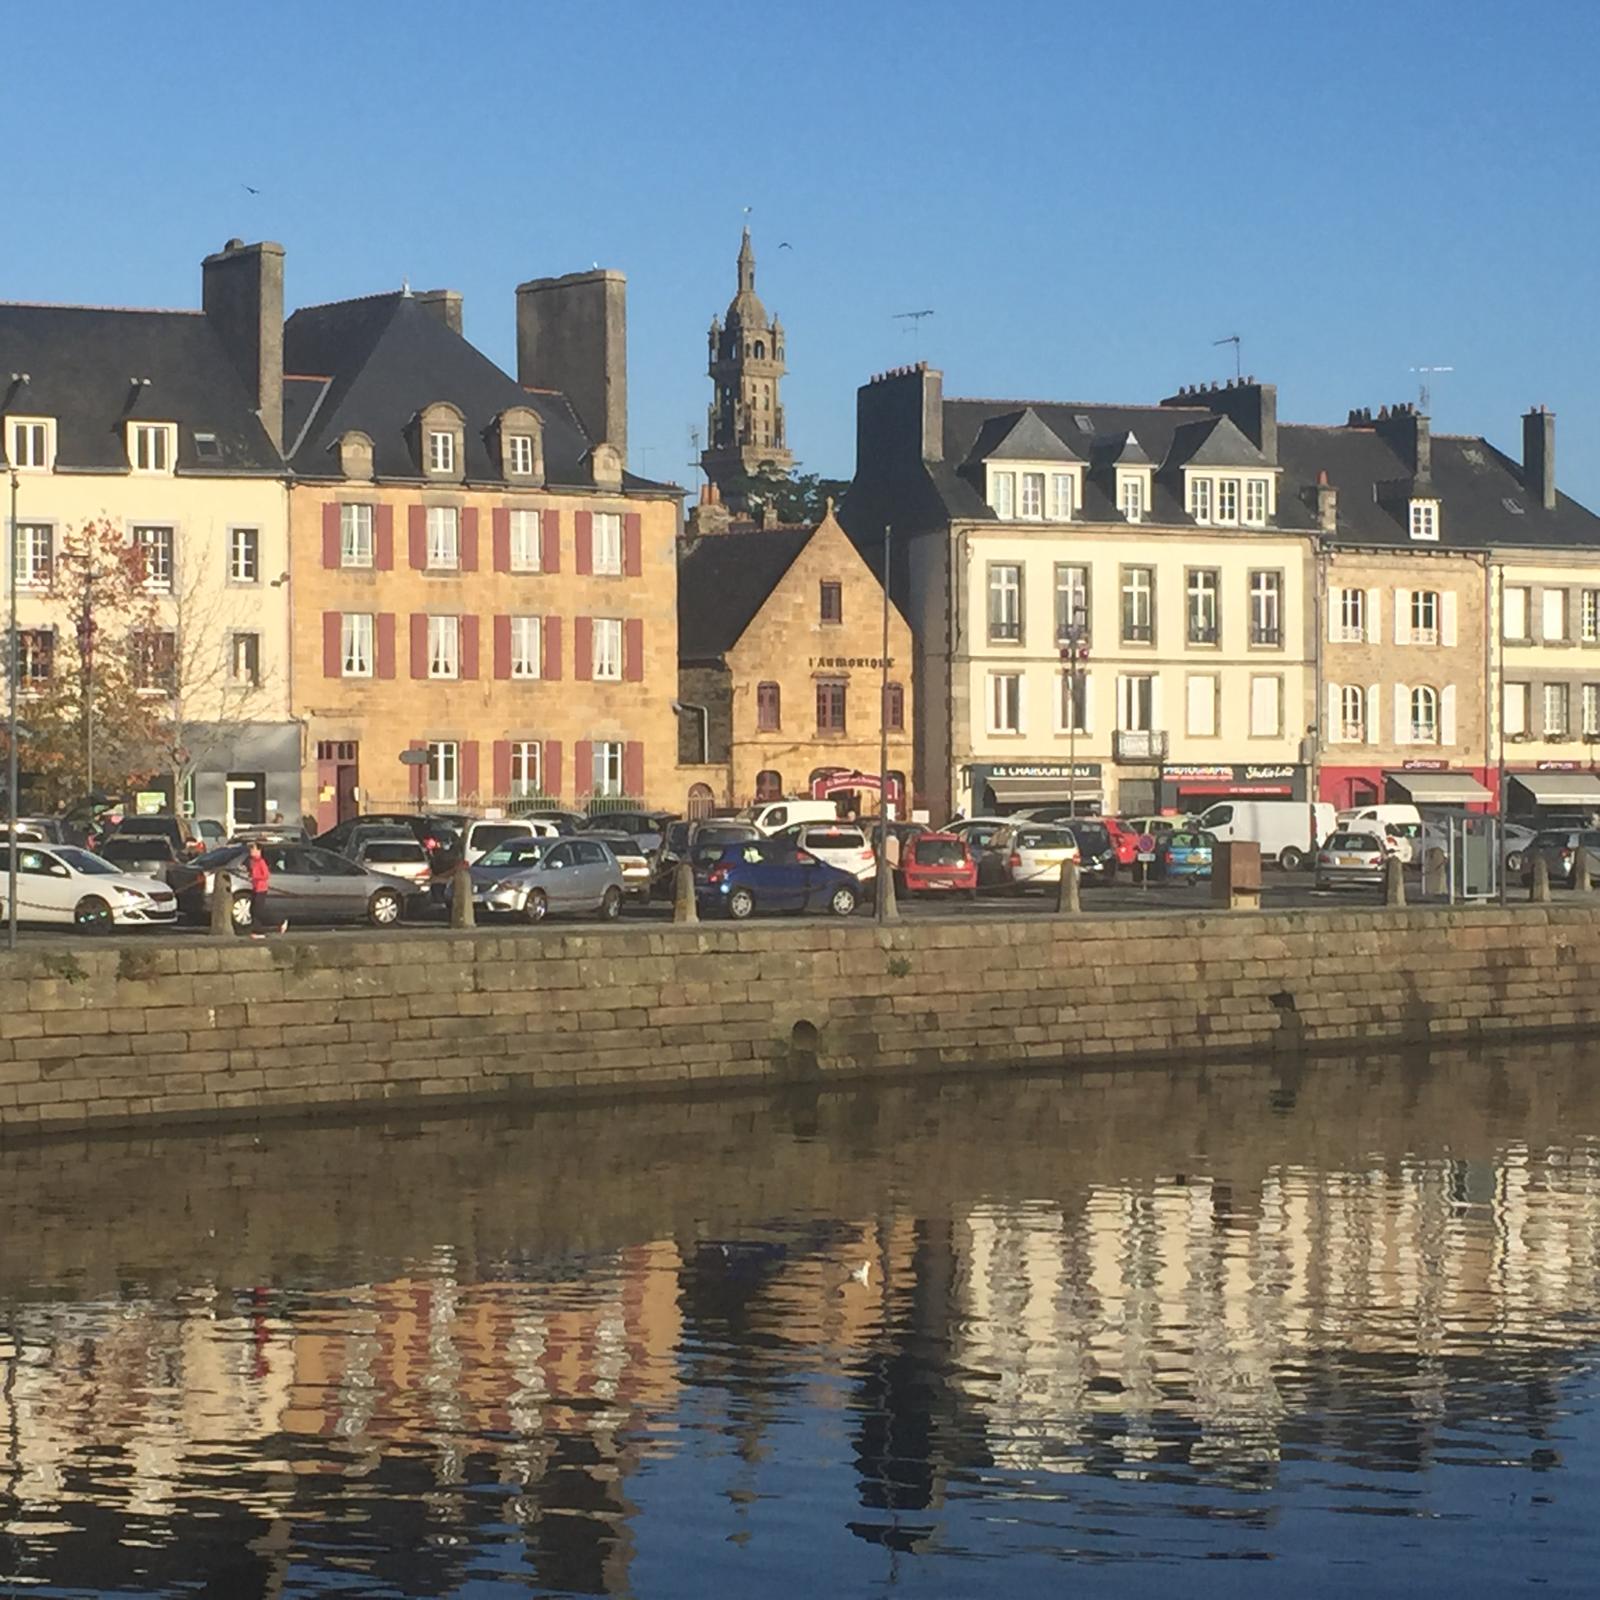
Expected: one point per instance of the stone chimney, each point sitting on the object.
(445, 304)
(572, 335)
(1406, 431)
(1325, 501)
(242, 293)
(1251, 406)
(1539, 456)
(899, 420)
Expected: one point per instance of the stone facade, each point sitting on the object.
(131, 1032)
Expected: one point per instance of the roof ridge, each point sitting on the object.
(352, 300)
(1102, 405)
(69, 305)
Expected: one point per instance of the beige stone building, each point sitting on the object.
(781, 680)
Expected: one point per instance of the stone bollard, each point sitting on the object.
(1067, 903)
(883, 885)
(1435, 875)
(1580, 870)
(684, 908)
(222, 906)
(462, 914)
(1539, 887)
(1394, 882)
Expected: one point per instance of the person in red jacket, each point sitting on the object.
(260, 879)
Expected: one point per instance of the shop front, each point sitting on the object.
(1421, 783)
(850, 789)
(1551, 791)
(1190, 788)
(999, 788)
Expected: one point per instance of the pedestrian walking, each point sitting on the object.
(260, 880)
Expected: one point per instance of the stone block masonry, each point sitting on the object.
(108, 1033)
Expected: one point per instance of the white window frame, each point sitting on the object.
(1202, 499)
(1004, 602)
(605, 775)
(239, 544)
(1063, 496)
(1256, 502)
(1138, 596)
(151, 447)
(1557, 696)
(160, 580)
(527, 540)
(357, 644)
(1003, 494)
(1590, 700)
(1275, 680)
(235, 642)
(1554, 603)
(1068, 710)
(36, 554)
(1132, 715)
(527, 769)
(1353, 622)
(1072, 580)
(1212, 696)
(1352, 722)
(443, 772)
(444, 539)
(1526, 602)
(1424, 731)
(521, 452)
(1425, 602)
(441, 450)
(1006, 700)
(23, 435)
(1266, 609)
(1514, 722)
(1424, 525)
(605, 544)
(355, 534)
(35, 646)
(1030, 507)
(1589, 616)
(606, 650)
(1204, 586)
(527, 646)
(444, 647)
(1227, 502)
(1131, 497)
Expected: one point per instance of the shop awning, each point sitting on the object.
(1042, 791)
(1560, 788)
(1441, 788)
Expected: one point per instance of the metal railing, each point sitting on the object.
(1138, 744)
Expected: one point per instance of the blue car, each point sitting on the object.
(1184, 853)
(751, 875)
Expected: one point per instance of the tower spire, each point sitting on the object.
(747, 265)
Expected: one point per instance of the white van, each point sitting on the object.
(1401, 825)
(1288, 831)
(771, 815)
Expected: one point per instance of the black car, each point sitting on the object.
(147, 855)
(180, 832)
(648, 827)
(1097, 850)
(439, 833)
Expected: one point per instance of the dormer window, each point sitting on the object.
(30, 443)
(1425, 520)
(1061, 497)
(1003, 495)
(1227, 500)
(1255, 502)
(1201, 501)
(151, 446)
(441, 451)
(521, 453)
(1130, 496)
(1033, 495)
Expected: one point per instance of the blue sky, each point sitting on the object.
(1086, 195)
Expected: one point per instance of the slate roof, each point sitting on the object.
(724, 580)
(81, 361)
(1022, 436)
(1216, 442)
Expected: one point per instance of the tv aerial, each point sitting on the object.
(1237, 343)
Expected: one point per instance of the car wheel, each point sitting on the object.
(611, 905)
(1290, 859)
(91, 915)
(842, 902)
(385, 909)
(535, 908)
(1514, 861)
(741, 903)
(243, 908)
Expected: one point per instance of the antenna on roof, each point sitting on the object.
(694, 455)
(1234, 340)
(914, 318)
(1424, 389)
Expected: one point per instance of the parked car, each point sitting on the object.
(211, 831)
(571, 875)
(646, 827)
(1028, 856)
(1400, 823)
(360, 837)
(683, 838)
(397, 858)
(482, 836)
(180, 831)
(562, 820)
(1559, 847)
(977, 831)
(308, 885)
(1183, 854)
(936, 863)
(845, 845)
(773, 816)
(437, 832)
(738, 879)
(631, 856)
(1515, 839)
(1154, 826)
(1286, 830)
(65, 884)
(1097, 850)
(145, 855)
(1352, 858)
(35, 830)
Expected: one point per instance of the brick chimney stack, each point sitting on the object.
(1539, 455)
(242, 295)
(572, 335)
(445, 304)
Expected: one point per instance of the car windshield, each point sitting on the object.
(1187, 841)
(833, 839)
(939, 852)
(1351, 841)
(1091, 835)
(514, 853)
(394, 851)
(85, 861)
(1554, 839)
(1042, 839)
(725, 835)
(489, 834)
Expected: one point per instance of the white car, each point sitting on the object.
(482, 836)
(840, 844)
(61, 883)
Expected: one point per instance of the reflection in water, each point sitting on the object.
(950, 1337)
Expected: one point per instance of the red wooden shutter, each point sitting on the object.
(633, 769)
(419, 645)
(633, 652)
(550, 766)
(552, 648)
(330, 534)
(385, 652)
(632, 551)
(419, 774)
(419, 538)
(502, 539)
(583, 777)
(550, 542)
(583, 649)
(469, 767)
(332, 644)
(502, 768)
(383, 539)
(583, 538)
(502, 652)
(469, 647)
(469, 539)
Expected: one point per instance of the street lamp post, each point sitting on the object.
(14, 656)
(1075, 652)
(881, 908)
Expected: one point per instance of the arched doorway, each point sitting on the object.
(700, 802)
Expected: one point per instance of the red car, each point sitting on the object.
(936, 863)
(1123, 838)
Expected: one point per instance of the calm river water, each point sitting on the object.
(1284, 1332)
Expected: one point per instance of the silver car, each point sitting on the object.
(307, 885)
(1352, 859)
(397, 858)
(1027, 857)
(572, 876)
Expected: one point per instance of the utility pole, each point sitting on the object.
(86, 633)
(13, 686)
(883, 731)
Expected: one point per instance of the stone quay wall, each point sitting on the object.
(107, 1033)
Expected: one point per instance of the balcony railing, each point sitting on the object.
(1138, 744)
(1261, 633)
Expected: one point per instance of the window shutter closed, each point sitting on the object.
(469, 538)
(383, 539)
(1333, 733)
(550, 542)
(419, 645)
(551, 634)
(332, 644)
(1156, 723)
(419, 538)
(502, 546)
(583, 539)
(633, 769)
(1088, 702)
(583, 650)
(583, 778)
(1402, 714)
(633, 652)
(469, 647)
(502, 768)
(469, 767)
(330, 534)
(502, 656)
(1335, 614)
(1447, 714)
(1373, 623)
(1447, 618)
(550, 766)
(632, 550)
(1374, 713)
(384, 666)
(1402, 616)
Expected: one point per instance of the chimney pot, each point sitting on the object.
(445, 304)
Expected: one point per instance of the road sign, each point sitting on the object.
(1145, 845)
(413, 758)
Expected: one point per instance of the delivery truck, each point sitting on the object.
(1288, 831)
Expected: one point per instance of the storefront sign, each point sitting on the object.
(876, 663)
(1220, 774)
(1424, 766)
(1255, 774)
(1283, 780)
(1558, 766)
(1040, 769)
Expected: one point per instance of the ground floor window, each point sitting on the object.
(607, 768)
(527, 775)
(444, 772)
(769, 785)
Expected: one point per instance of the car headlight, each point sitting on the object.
(132, 896)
